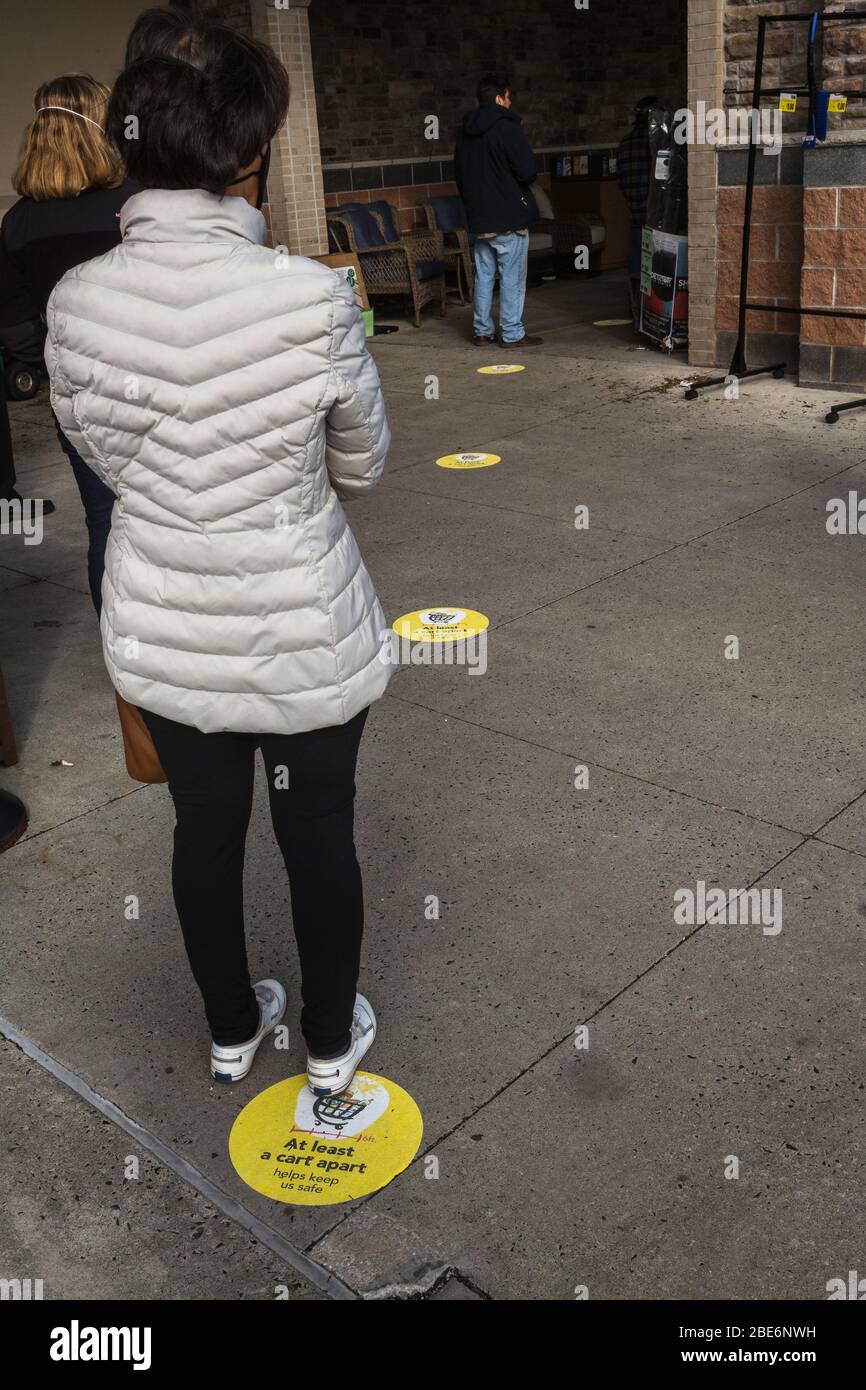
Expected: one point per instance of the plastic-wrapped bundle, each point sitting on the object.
(668, 203)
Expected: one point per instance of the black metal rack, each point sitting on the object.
(739, 366)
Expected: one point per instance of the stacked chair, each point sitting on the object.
(448, 216)
(411, 264)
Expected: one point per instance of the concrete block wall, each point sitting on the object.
(382, 67)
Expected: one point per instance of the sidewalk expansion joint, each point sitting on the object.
(309, 1269)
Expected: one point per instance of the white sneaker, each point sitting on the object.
(331, 1077)
(232, 1063)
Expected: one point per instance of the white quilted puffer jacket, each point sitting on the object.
(225, 393)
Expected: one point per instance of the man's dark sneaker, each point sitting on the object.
(481, 339)
(528, 340)
(13, 819)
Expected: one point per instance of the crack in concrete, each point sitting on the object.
(309, 1269)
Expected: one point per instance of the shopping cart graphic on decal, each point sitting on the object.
(342, 1116)
(338, 1110)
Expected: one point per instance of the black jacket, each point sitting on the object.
(40, 241)
(494, 166)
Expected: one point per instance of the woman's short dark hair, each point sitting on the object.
(205, 99)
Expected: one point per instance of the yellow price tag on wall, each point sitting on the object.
(787, 101)
(837, 103)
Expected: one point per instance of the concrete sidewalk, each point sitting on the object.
(601, 1168)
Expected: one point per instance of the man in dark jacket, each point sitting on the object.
(633, 167)
(494, 166)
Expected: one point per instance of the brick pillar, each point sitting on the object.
(295, 193)
(775, 254)
(706, 75)
(833, 351)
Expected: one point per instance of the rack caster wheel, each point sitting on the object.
(832, 418)
(779, 373)
(691, 395)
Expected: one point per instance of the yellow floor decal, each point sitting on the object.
(468, 460)
(611, 323)
(446, 623)
(502, 369)
(294, 1147)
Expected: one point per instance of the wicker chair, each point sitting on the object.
(448, 216)
(411, 265)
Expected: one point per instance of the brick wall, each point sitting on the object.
(705, 83)
(843, 60)
(297, 206)
(834, 269)
(775, 260)
(805, 241)
(407, 200)
(296, 212)
(383, 65)
(808, 244)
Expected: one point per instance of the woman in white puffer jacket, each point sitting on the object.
(224, 392)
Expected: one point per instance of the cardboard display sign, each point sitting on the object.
(348, 265)
(664, 313)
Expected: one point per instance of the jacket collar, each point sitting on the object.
(190, 214)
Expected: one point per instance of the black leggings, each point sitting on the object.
(210, 777)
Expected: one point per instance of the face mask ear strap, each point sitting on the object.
(261, 174)
(68, 109)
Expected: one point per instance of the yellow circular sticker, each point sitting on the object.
(446, 623)
(295, 1147)
(468, 460)
(501, 369)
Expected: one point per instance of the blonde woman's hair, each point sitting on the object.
(63, 154)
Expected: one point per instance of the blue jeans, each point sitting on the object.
(507, 252)
(98, 501)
